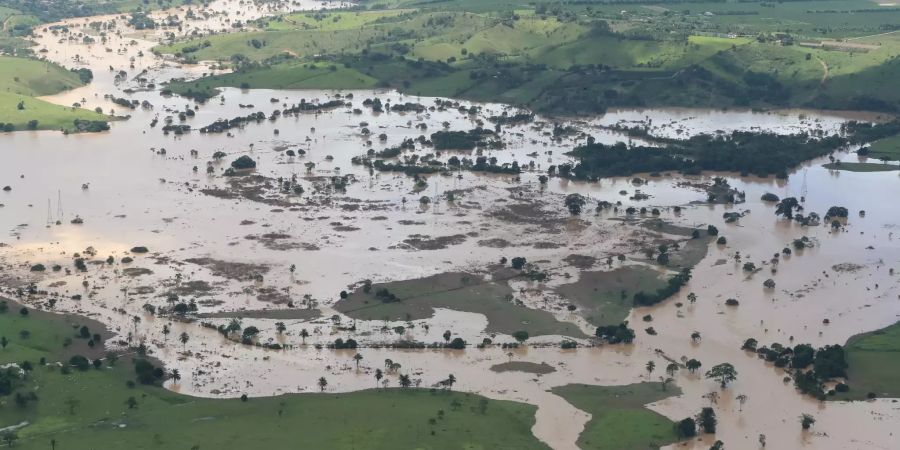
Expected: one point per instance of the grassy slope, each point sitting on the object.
(886, 148)
(647, 71)
(374, 419)
(619, 420)
(605, 297)
(874, 360)
(23, 79)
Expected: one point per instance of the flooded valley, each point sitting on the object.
(306, 246)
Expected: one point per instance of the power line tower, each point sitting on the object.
(803, 188)
(59, 208)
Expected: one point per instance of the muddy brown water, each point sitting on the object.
(135, 195)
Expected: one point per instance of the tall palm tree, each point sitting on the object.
(323, 383)
(303, 335)
(450, 380)
(166, 330)
(741, 398)
(378, 376)
(176, 375)
(405, 382)
(357, 357)
(184, 339)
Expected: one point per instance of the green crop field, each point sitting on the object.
(82, 410)
(874, 362)
(619, 419)
(22, 79)
(577, 58)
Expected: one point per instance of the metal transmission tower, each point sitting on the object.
(803, 188)
(59, 208)
(49, 214)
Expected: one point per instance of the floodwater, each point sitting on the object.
(129, 193)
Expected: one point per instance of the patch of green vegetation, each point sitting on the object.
(574, 58)
(94, 408)
(294, 75)
(417, 299)
(34, 78)
(619, 419)
(524, 366)
(47, 115)
(606, 297)
(888, 148)
(325, 21)
(23, 79)
(861, 167)
(55, 10)
(874, 362)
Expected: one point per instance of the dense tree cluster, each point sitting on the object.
(615, 334)
(460, 140)
(671, 288)
(755, 153)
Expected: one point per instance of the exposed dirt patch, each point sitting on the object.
(191, 288)
(524, 366)
(279, 314)
(255, 188)
(580, 261)
(136, 271)
(494, 243)
(425, 242)
(230, 270)
(273, 295)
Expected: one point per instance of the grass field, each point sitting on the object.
(87, 410)
(573, 59)
(605, 297)
(862, 167)
(22, 79)
(874, 364)
(619, 420)
(886, 148)
(461, 292)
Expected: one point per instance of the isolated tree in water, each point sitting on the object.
(723, 373)
(357, 357)
(692, 365)
(184, 338)
(741, 398)
(807, 421)
(671, 369)
(323, 383)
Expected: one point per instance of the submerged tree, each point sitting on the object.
(692, 365)
(723, 373)
(806, 421)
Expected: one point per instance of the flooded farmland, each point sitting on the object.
(279, 244)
